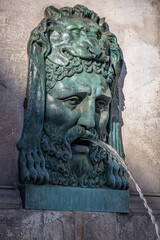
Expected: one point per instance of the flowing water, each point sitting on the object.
(111, 151)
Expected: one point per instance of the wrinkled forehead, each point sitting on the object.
(90, 83)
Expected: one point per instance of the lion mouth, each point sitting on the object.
(80, 146)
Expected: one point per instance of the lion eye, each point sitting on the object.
(101, 104)
(73, 101)
(75, 32)
(99, 35)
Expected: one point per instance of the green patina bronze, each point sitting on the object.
(62, 198)
(74, 66)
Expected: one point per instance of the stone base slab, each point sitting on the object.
(49, 197)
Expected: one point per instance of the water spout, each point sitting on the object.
(111, 151)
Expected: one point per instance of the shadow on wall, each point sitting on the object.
(121, 96)
(13, 81)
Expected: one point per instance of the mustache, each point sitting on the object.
(52, 138)
(80, 132)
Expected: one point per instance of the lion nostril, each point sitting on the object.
(99, 35)
(92, 130)
(88, 49)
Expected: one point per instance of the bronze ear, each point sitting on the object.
(101, 22)
(53, 12)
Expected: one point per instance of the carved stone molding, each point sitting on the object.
(9, 197)
(136, 204)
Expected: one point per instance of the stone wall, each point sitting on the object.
(136, 24)
(54, 225)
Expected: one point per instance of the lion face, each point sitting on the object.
(79, 37)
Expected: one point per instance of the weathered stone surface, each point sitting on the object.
(55, 225)
(135, 226)
(58, 225)
(97, 226)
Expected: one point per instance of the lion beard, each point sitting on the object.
(67, 168)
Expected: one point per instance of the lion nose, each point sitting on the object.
(87, 118)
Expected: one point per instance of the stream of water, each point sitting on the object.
(111, 151)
